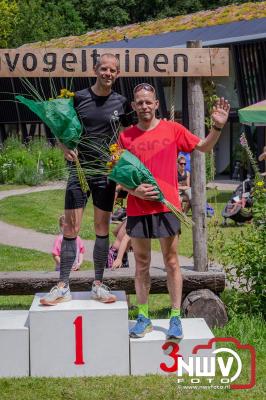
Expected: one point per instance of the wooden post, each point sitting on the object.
(196, 126)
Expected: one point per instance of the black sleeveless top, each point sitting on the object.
(182, 178)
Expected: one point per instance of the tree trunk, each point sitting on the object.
(205, 304)
(29, 282)
(198, 179)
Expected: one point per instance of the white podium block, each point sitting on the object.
(14, 343)
(147, 354)
(82, 337)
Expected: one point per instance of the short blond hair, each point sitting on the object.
(181, 158)
(107, 55)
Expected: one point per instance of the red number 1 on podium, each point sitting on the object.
(79, 341)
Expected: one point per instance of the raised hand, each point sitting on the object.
(220, 112)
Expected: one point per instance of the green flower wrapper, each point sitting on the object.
(130, 172)
(61, 117)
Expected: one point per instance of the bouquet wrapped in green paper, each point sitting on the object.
(130, 172)
(61, 117)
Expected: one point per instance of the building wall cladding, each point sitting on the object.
(13, 112)
(250, 61)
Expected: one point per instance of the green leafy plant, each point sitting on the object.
(210, 97)
(30, 164)
(245, 255)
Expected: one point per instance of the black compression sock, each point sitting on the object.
(100, 255)
(67, 258)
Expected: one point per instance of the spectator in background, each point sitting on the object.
(184, 183)
(262, 156)
(119, 214)
(187, 158)
(80, 249)
(117, 257)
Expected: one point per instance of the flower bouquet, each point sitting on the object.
(61, 117)
(130, 172)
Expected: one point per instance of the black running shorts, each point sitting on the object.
(153, 226)
(101, 188)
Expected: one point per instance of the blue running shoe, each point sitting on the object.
(142, 326)
(175, 330)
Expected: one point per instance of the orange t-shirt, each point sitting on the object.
(158, 150)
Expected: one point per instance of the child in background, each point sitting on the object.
(117, 257)
(119, 214)
(57, 248)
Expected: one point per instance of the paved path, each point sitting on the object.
(223, 185)
(29, 239)
(17, 192)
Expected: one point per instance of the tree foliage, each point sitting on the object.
(8, 15)
(43, 20)
(26, 21)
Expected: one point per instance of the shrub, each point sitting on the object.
(30, 164)
(210, 166)
(244, 255)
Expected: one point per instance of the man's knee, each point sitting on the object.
(142, 266)
(171, 263)
(100, 225)
(71, 228)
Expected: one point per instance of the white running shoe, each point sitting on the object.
(102, 293)
(58, 294)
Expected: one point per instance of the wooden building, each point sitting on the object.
(245, 85)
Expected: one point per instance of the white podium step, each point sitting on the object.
(148, 356)
(82, 337)
(14, 343)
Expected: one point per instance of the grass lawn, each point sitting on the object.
(246, 328)
(40, 211)
(18, 259)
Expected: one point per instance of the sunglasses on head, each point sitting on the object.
(143, 86)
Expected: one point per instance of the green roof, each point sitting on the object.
(222, 15)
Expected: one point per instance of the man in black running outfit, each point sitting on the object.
(100, 111)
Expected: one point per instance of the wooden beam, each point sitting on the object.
(29, 282)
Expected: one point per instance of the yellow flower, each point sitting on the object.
(113, 148)
(260, 183)
(65, 94)
(109, 164)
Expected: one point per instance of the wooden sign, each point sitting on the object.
(26, 62)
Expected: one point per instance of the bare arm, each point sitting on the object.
(121, 251)
(219, 117)
(124, 245)
(188, 179)
(262, 156)
(57, 259)
(76, 267)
